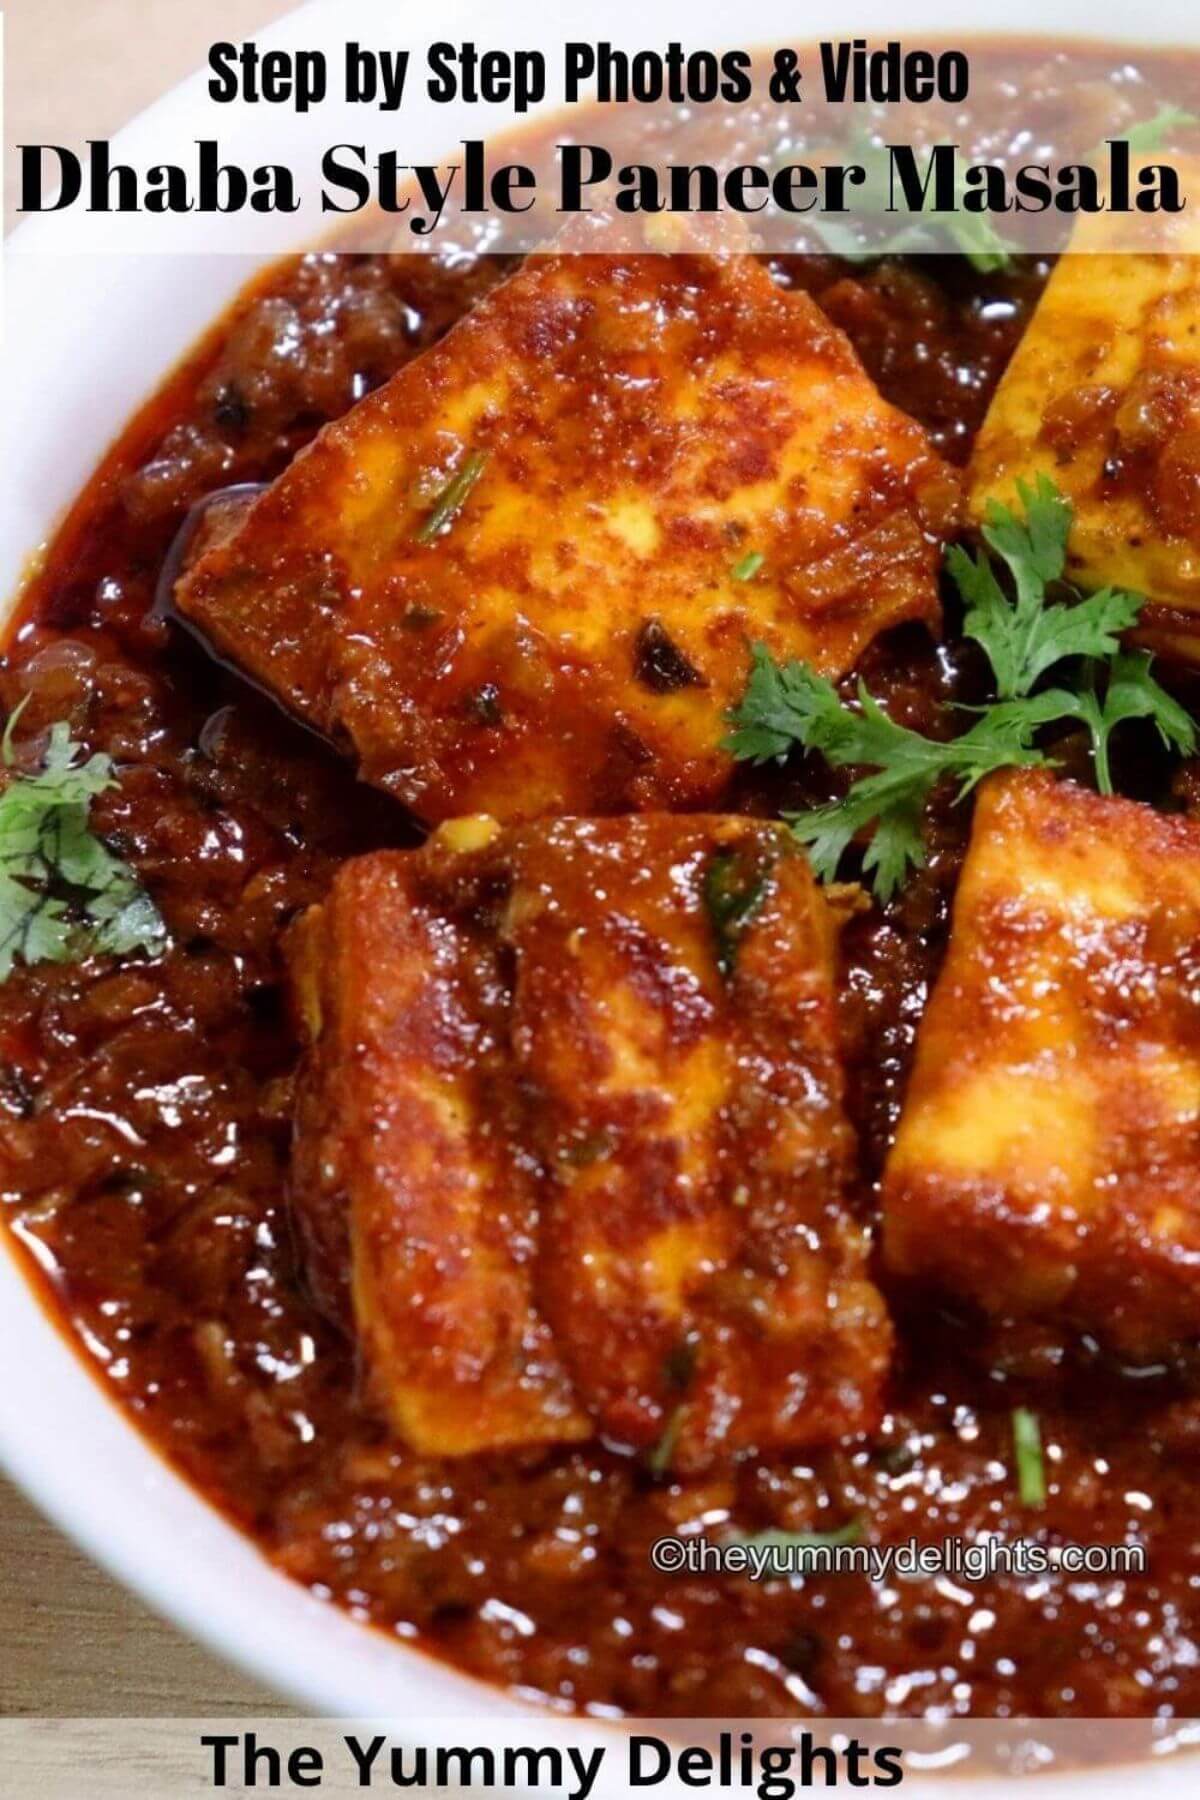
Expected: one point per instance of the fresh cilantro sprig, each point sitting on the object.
(1131, 692)
(972, 234)
(791, 704)
(1024, 637)
(63, 894)
(1023, 641)
(798, 1552)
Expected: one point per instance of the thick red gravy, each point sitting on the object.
(146, 1107)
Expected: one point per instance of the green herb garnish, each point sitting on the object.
(791, 704)
(1152, 134)
(1024, 640)
(63, 894)
(1031, 1465)
(972, 234)
(733, 894)
(1023, 637)
(748, 567)
(662, 1455)
(679, 1370)
(452, 498)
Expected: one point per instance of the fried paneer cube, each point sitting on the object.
(1047, 1163)
(523, 576)
(409, 1187)
(571, 1112)
(1103, 396)
(673, 1021)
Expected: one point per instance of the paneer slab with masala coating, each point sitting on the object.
(570, 1140)
(523, 577)
(1047, 1163)
(1103, 397)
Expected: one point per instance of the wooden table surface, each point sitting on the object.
(71, 1640)
(73, 1643)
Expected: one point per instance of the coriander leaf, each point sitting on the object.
(844, 240)
(749, 565)
(63, 894)
(975, 236)
(776, 709)
(125, 919)
(45, 931)
(786, 704)
(870, 735)
(828, 831)
(972, 234)
(989, 618)
(1031, 1465)
(789, 705)
(1023, 642)
(893, 800)
(1090, 627)
(734, 891)
(1152, 134)
(453, 497)
(896, 845)
(1035, 548)
(1023, 648)
(908, 769)
(1004, 732)
(662, 1455)
(1132, 693)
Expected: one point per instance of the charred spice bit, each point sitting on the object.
(485, 705)
(660, 664)
(230, 411)
(419, 618)
(679, 1366)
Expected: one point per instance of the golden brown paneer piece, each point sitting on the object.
(572, 1113)
(1047, 1163)
(524, 575)
(1103, 396)
(408, 1179)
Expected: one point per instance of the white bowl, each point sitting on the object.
(86, 341)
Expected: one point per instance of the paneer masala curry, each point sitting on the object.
(600, 937)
